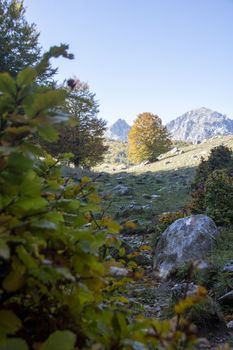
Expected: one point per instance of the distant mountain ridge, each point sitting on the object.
(193, 126)
(200, 124)
(118, 131)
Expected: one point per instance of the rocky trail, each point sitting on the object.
(152, 296)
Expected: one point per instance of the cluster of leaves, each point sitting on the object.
(147, 138)
(55, 265)
(212, 189)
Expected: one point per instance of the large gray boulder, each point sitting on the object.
(186, 239)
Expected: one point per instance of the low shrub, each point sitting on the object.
(218, 197)
(212, 189)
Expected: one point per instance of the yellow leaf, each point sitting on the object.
(145, 247)
(86, 179)
(132, 265)
(93, 197)
(130, 224)
(123, 300)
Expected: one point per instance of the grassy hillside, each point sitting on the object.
(187, 156)
(157, 187)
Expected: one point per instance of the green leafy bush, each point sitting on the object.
(212, 186)
(219, 196)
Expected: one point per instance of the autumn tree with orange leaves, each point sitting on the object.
(148, 138)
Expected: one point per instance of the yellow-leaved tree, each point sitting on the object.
(148, 138)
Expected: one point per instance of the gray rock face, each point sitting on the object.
(118, 131)
(189, 238)
(200, 124)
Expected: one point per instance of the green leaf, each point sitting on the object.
(48, 133)
(26, 76)
(4, 250)
(15, 279)
(24, 205)
(13, 344)
(55, 217)
(17, 163)
(26, 258)
(64, 156)
(24, 130)
(44, 101)
(6, 103)
(60, 340)
(7, 84)
(80, 221)
(90, 207)
(69, 204)
(9, 322)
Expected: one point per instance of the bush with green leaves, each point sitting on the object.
(219, 196)
(212, 186)
(56, 273)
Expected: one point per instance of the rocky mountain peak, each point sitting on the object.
(119, 130)
(200, 124)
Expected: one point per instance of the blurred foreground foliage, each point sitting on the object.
(56, 270)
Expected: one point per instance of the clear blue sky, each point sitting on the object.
(159, 56)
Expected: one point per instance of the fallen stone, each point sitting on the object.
(230, 325)
(147, 207)
(174, 150)
(122, 190)
(154, 196)
(118, 271)
(187, 239)
(146, 196)
(228, 267)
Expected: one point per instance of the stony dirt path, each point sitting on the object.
(151, 297)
